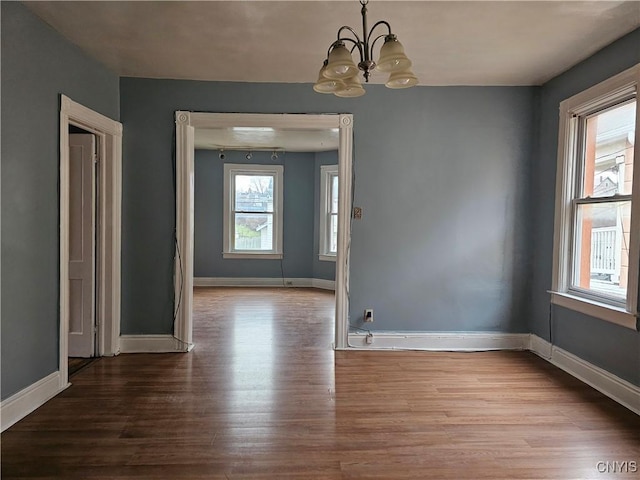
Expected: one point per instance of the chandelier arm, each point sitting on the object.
(374, 42)
(381, 22)
(347, 27)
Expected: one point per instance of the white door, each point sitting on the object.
(82, 157)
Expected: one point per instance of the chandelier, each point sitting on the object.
(339, 73)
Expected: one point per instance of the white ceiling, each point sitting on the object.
(450, 42)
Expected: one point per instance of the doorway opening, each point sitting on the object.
(89, 257)
(186, 125)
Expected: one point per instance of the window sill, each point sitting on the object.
(605, 312)
(327, 258)
(252, 256)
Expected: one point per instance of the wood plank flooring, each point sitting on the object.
(263, 396)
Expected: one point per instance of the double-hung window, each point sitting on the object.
(328, 212)
(253, 206)
(597, 229)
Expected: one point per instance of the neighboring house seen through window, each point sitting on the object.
(596, 242)
(252, 211)
(328, 212)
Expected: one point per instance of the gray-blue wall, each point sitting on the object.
(324, 270)
(609, 346)
(37, 66)
(297, 226)
(441, 173)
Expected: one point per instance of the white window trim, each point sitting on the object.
(617, 87)
(326, 171)
(232, 169)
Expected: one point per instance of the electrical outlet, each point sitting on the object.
(368, 314)
(369, 338)
(357, 213)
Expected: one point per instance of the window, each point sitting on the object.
(252, 211)
(597, 216)
(328, 212)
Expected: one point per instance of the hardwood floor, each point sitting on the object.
(263, 396)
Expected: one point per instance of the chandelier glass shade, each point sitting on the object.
(402, 79)
(352, 88)
(327, 85)
(340, 63)
(340, 74)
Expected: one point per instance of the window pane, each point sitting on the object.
(254, 193)
(253, 231)
(334, 194)
(333, 234)
(609, 138)
(601, 261)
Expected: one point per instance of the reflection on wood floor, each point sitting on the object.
(263, 396)
(76, 364)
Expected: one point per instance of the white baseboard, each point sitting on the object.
(605, 382)
(151, 344)
(21, 404)
(540, 346)
(323, 284)
(263, 282)
(436, 341)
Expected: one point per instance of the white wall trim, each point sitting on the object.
(441, 341)
(21, 404)
(605, 382)
(231, 170)
(151, 344)
(108, 221)
(540, 347)
(183, 258)
(616, 89)
(602, 311)
(323, 284)
(263, 282)
(186, 122)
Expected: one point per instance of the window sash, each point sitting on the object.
(332, 219)
(328, 214)
(332, 214)
(616, 232)
(576, 255)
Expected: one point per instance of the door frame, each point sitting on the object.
(108, 227)
(186, 123)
